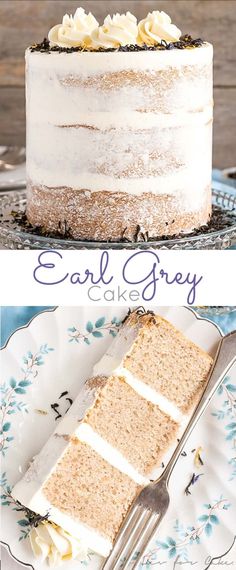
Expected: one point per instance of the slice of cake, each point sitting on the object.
(119, 128)
(117, 431)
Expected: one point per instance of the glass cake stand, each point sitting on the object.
(14, 236)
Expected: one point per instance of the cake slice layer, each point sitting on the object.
(87, 488)
(164, 359)
(132, 424)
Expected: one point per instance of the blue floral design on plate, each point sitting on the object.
(13, 388)
(227, 412)
(94, 330)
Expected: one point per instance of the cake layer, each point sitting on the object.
(112, 216)
(161, 88)
(94, 82)
(158, 356)
(84, 486)
(179, 374)
(125, 160)
(139, 430)
(89, 537)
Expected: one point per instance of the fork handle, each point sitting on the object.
(225, 357)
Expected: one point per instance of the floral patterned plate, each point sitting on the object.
(43, 366)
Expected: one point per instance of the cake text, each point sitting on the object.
(142, 268)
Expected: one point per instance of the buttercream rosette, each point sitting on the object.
(51, 544)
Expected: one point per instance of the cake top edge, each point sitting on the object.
(139, 316)
(185, 42)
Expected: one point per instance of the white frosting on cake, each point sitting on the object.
(88, 132)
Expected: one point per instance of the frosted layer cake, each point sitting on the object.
(119, 128)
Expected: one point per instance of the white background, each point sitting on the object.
(18, 286)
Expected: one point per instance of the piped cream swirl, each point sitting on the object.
(74, 31)
(51, 544)
(157, 26)
(118, 30)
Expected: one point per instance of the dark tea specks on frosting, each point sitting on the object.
(185, 42)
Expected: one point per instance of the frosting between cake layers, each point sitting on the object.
(112, 364)
(151, 395)
(87, 435)
(133, 120)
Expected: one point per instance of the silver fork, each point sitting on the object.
(148, 510)
(11, 157)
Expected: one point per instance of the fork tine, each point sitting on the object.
(142, 541)
(146, 519)
(127, 527)
(147, 542)
(125, 543)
